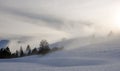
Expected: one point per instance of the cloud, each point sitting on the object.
(70, 16)
(45, 18)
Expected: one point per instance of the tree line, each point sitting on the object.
(41, 50)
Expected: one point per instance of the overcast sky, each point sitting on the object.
(92, 16)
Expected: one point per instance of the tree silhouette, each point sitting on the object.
(44, 47)
(21, 52)
(35, 51)
(28, 50)
(17, 53)
(5, 53)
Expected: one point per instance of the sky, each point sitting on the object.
(65, 18)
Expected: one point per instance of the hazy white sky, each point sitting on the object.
(70, 9)
(67, 16)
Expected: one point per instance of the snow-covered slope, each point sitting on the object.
(95, 56)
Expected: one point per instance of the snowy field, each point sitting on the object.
(101, 56)
(89, 31)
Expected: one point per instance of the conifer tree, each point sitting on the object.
(17, 53)
(5, 53)
(21, 52)
(44, 47)
(35, 51)
(28, 50)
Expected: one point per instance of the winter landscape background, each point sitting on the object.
(87, 29)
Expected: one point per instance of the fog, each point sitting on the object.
(63, 18)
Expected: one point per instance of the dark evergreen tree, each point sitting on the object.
(21, 52)
(35, 51)
(5, 53)
(44, 47)
(1, 52)
(28, 50)
(17, 53)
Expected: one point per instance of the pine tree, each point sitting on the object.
(35, 51)
(5, 53)
(1, 53)
(28, 50)
(44, 47)
(17, 53)
(21, 52)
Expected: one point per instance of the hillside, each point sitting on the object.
(101, 56)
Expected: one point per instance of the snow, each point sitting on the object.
(100, 56)
(82, 27)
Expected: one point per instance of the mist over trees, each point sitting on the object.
(43, 47)
(41, 50)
